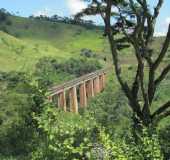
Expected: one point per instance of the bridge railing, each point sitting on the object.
(75, 93)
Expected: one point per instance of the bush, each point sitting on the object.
(8, 22)
(3, 16)
(70, 136)
(66, 135)
(80, 66)
(110, 110)
(19, 99)
(165, 141)
(147, 149)
(87, 53)
(4, 29)
(50, 71)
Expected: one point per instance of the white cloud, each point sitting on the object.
(76, 6)
(159, 34)
(167, 20)
(162, 27)
(44, 12)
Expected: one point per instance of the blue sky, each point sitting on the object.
(70, 7)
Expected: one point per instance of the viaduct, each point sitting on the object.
(74, 94)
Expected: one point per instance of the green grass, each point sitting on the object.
(29, 40)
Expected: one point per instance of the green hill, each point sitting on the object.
(28, 40)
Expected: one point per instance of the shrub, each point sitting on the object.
(50, 71)
(111, 111)
(3, 16)
(4, 29)
(147, 149)
(18, 100)
(17, 35)
(80, 66)
(165, 141)
(8, 22)
(87, 53)
(66, 135)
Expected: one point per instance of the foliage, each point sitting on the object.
(148, 148)
(133, 24)
(3, 15)
(67, 20)
(110, 110)
(165, 140)
(80, 66)
(87, 53)
(50, 71)
(99, 133)
(70, 136)
(4, 20)
(18, 100)
(119, 149)
(66, 135)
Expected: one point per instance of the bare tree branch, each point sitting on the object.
(161, 109)
(164, 73)
(163, 51)
(157, 8)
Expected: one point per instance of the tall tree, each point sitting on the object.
(134, 22)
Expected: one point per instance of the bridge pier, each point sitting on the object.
(101, 83)
(83, 95)
(62, 100)
(90, 89)
(104, 80)
(73, 100)
(96, 85)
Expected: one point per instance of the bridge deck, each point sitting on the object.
(77, 81)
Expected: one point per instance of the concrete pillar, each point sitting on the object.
(96, 85)
(101, 83)
(50, 98)
(73, 100)
(83, 96)
(62, 101)
(104, 80)
(90, 90)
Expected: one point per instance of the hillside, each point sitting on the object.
(28, 40)
(121, 114)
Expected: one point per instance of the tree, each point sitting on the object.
(3, 15)
(134, 22)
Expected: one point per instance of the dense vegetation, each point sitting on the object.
(32, 128)
(38, 130)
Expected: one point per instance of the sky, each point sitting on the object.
(26, 8)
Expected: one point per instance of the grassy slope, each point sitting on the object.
(29, 40)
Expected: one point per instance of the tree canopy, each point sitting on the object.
(132, 23)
